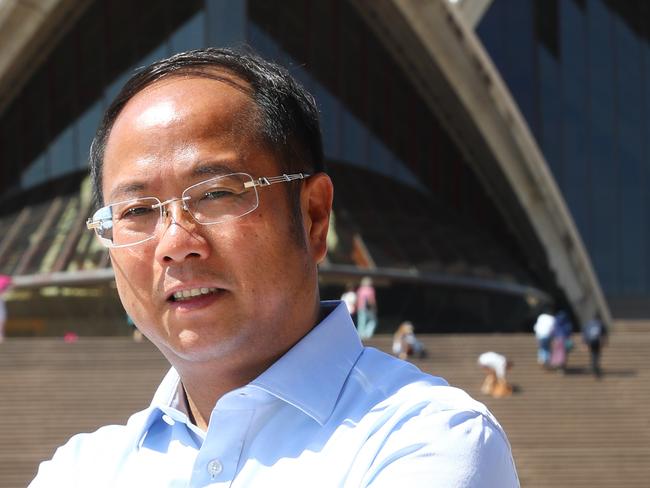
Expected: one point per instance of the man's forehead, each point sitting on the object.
(183, 109)
(172, 96)
(161, 113)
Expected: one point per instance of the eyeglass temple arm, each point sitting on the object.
(93, 224)
(270, 180)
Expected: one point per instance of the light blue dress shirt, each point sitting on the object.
(329, 413)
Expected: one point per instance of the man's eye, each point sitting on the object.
(217, 194)
(136, 212)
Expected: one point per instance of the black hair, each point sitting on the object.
(288, 116)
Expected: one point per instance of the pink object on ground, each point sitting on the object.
(70, 337)
(5, 282)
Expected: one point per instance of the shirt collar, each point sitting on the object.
(168, 393)
(169, 399)
(309, 376)
(312, 373)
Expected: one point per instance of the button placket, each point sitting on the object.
(220, 453)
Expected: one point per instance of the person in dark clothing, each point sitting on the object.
(594, 335)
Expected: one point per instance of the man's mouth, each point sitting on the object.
(190, 293)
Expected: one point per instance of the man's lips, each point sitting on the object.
(188, 294)
(197, 302)
(184, 293)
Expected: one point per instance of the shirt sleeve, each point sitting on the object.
(450, 449)
(59, 471)
(98, 456)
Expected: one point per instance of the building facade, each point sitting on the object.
(441, 225)
(580, 71)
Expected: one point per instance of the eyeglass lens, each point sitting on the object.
(210, 202)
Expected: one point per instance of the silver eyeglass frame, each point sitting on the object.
(254, 183)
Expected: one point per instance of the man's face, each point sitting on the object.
(173, 134)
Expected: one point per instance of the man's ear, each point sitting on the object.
(316, 201)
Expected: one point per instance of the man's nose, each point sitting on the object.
(181, 237)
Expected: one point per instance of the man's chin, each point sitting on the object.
(191, 345)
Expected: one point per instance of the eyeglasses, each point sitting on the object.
(212, 201)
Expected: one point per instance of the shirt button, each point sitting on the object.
(214, 468)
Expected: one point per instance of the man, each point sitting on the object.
(209, 168)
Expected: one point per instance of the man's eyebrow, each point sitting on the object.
(212, 168)
(206, 168)
(126, 189)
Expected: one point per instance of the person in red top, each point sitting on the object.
(366, 309)
(5, 282)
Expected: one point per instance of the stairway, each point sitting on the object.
(51, 389)
(566, 430)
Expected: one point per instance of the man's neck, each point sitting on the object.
(206, 382)
(194, 414)
(204, 387)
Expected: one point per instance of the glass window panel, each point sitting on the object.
(492, 30)
(380, 157)
(60, 90)
(226, 22)
(45, 236)
(330, 108)
(115, 86)
(62, 153)
(574, 109)
(190, 35)
(36, 115)
(645, 166)
(520, 49)
(354, 140)
(91, 50)
(550, 111)
(630, 151)
(35, 173)
(602, 146)
(13, 146)
(10, 259)
(546, 25)
(86, 126)
(56, 238)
